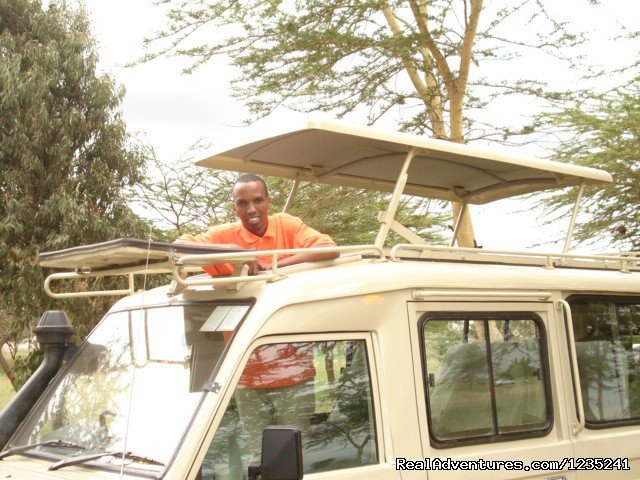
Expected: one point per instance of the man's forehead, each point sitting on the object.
(253, 189)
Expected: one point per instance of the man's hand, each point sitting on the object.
(255, 267)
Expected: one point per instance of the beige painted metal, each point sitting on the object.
(574, 215)
(550, 260)
(179, 267)
(189, 459)
(80, 294)
(363, 157)
(486, 294)
(130, 272)
(400, 229)
(458, 223)
(395, 199)
(564, 307)
(292, 193)
(272, 274)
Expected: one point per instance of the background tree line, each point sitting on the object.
(71, 173)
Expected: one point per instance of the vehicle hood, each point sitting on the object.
(26, 468)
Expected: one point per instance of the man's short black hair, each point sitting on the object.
(250, 177)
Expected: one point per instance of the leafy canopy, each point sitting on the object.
(65, 155)
(410, 61)
(604, 134)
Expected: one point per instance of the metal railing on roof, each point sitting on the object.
(180, 267)
(625, 262)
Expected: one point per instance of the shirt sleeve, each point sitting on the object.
(305, 236)
(211, 235)
(207, 236)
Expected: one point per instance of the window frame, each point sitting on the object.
(374, 381)
(628, 299)
(484, 316)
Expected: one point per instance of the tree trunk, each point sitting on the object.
(7, 369)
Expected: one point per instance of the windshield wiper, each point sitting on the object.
(48, 443)
(94, 456)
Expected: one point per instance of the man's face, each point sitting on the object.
(251, 204)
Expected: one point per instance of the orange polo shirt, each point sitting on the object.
(270, 366)
(283, 231)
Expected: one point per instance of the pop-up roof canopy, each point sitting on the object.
(342, 154)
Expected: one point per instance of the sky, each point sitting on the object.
(171, 111)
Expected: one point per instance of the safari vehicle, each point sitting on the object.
(521, 364)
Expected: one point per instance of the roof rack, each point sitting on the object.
(625, 262)
(180, 266)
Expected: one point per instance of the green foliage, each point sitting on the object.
(65, 155)
(189, 199)
(603, 134)
(349, 215)
(25, 365)
(370, 56)
(182, 198)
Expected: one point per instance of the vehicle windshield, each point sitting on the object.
(134, 384)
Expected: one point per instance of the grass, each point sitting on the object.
(6, 390)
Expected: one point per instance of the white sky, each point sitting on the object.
(170, 111)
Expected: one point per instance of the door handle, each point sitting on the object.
(558, 477)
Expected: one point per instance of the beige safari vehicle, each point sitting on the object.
(414, 362)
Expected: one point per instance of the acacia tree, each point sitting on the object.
(181, 198)
(605, 134)
(377, 57)
(65, 157)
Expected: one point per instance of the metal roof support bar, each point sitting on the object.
(563, 306)
(395, 199)
(463, 210)
(292, 193)
(401, 230)
(567, 241)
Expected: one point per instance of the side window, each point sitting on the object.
(322, 387)
(607, 336)
(486, 377)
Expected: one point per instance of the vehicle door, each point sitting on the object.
(606, 335)
(492, 388)
(324, 384)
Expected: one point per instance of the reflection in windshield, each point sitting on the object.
(133, 385)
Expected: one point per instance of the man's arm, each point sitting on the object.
(309, 257)
(184, 241)
(255, 266)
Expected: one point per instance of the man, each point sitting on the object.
(260, 231)
(277, 385)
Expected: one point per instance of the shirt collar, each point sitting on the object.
(249, 237)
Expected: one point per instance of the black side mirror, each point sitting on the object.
(281, 454)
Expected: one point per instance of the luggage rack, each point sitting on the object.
(626, 262)
(178, 265)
